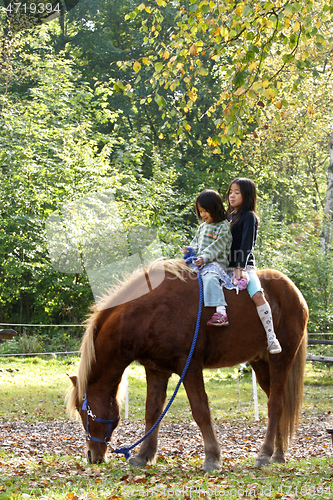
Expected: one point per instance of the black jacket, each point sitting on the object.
(244, 236)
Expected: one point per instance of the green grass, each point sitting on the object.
(173, 478)
(34, 389)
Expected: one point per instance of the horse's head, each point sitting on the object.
(99, 420)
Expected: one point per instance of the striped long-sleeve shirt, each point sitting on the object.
(212, 242)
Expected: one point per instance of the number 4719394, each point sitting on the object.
(32, 8)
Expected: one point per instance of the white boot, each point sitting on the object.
(265, 315)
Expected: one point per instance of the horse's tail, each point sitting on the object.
(293, 395)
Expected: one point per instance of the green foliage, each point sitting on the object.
(56, 148)
(156, 102)
(295, 250)
(55, 340)
(23, 344)
(245, 48)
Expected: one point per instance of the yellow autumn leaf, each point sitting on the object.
(193, 50)
(283, 115)
(136, 66)
(180, 68)
(161, 136)
(227, 111)
(145, 61)
(252, 94)
(224, 32)
(296, 27)
(240, 9)
(188, 127)
(192, 95)
(253, 65)
(278, 104)
(269, 93)
(240, 91)
(166, 55)
(265, 83)
(257, 85)
(69, 496)
(310, 110)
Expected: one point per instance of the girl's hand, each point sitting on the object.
(185, 250)
(199, 262)
(237, 273)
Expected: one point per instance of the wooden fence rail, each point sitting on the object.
(323, 359)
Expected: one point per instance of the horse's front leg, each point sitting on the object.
(157, 383)
(195, 389)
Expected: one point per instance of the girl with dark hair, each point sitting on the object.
(242, 215)
(211, 245)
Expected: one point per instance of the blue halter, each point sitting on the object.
(86, 407)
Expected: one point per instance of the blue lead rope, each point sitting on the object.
(126, 450)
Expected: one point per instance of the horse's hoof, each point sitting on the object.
(262, 459)
(210, 466)
(137, 461)
(278, 458)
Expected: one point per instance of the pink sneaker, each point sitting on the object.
(218, 319)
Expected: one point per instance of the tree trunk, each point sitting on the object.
(326, 235)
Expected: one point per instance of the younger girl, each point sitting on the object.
(211, 245)
(242, 198)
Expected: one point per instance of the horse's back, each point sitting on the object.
(245, 339)
(281, 292)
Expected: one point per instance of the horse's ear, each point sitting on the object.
(73, 379)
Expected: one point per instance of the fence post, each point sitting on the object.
(126, 393)
(255, 395)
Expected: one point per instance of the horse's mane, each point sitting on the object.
(75, 394)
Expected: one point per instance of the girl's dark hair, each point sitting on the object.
(249, 193)
(212, 202)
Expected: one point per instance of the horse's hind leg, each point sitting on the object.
(273, 384)
(278, 455)
(261, 368)
(157, 383)
(195, 389)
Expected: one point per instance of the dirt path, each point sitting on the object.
(236, 440)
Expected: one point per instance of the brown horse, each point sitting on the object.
(157, 329)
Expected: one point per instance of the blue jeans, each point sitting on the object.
(254, 285)
(213, 291)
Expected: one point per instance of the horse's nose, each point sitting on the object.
(89, 456)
